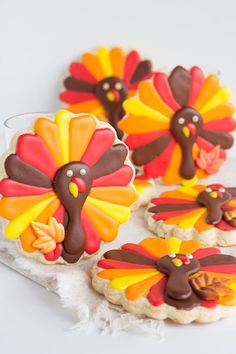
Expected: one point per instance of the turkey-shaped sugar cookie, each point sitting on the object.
(170, 278)
(67, 186)
(99, 83)
(179, 126)
(206, 213)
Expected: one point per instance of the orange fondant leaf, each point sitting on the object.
(210, 161)
(48, 235)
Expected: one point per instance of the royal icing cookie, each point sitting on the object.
(179, 126)
(99, 83)
(206, 213)
(170, 278)
(66, 187)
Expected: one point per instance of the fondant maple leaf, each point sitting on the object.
(210, 161)
(48, 235)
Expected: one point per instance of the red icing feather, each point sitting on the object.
(159, 165)
(223, 268)
(156, 293)
(10, 188)
(170, 214)
(197, 81)
(162, 85)
(72, 97)
(59, 214)
(120, 177)
(32, 150)
(131, 63)
(92, 239)
(113, 264)
(210, 304)
(204, 252)
(138, 249)
(224, 226)
(227, 124)
(205, 145)
(101, 141)
(79, 71)
(137, 140)
(160, 201)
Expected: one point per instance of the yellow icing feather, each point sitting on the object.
(18, 225)
(174, 244)
(124, 282)
(190, 222)
(62, 119)
(105, 62)
(118, 212)
(188, 190)
(222, 95)
(136, 107)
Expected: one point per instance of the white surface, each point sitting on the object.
(38, 40)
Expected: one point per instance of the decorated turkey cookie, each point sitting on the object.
(99, 83)
(206, 213)
(169, 279)
(179, 126)
(67, 187)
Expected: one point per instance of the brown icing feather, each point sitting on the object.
(149, 152)
(74, 84)
(217, 259)
(173, 207)
(129, 256)
(225, 140)
(112, 160)
(143, 69)
(22, 172)
(179, 81)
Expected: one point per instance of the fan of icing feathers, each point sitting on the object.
(183, 207)
(38, 185)
(179, 126)
(100, 82)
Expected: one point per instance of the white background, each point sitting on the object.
(38, 39)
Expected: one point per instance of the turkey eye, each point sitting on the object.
(105, 86)
(222, 190)
(118, 86)
(82, 172)
(195, 119)
(189, 256)
(208, 190)
(172, 255)
(181, 120)
(69, 173)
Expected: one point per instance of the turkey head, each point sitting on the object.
(112, 92)
(178, 267)
(213, 198)
(72, 184)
